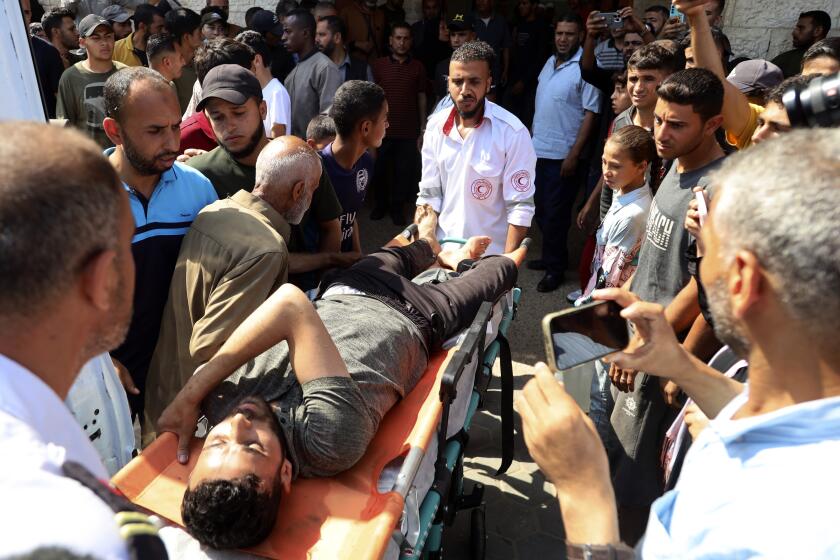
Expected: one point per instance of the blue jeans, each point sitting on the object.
(554, 198)
(601, 403)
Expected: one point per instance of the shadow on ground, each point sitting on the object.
(522, 514)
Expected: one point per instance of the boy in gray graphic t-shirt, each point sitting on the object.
(686, 117)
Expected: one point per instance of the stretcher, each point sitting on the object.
(352, 515)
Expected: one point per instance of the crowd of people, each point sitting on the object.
(236, 163)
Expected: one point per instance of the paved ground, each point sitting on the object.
(522, 515)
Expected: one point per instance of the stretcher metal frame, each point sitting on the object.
(447, 495)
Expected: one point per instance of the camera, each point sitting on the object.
(814, 105)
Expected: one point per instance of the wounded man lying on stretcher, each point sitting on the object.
(317, 380)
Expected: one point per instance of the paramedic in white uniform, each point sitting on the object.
(478, 159)
(66, 284)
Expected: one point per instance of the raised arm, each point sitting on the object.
(285, 316)
(736, 108)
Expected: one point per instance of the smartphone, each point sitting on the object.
(582, 334)
(613, 20)
(675, 13)
(702, 206)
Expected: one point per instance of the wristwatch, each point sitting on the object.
(599, 552)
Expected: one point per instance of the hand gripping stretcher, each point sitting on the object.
(415, 457)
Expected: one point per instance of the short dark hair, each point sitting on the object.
(67, 205)
(659, 8)
(355, 101)
(829, 47)
(320, 128)
(249, 13)
(181, 21)
(234, 513)
(53, 20)
(636, 141)
(159, 45)
(145, 14)
(257, 43)
(303, 20)
(819, 18)
(656, 57)
(569, 17)
(697, 87)
(283, 7)
(335, 25)
(118, 86)
(474, 51)
(620, 78)
(221, 51)
(775, 95)
(399, 25)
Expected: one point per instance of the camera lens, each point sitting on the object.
(815, 105)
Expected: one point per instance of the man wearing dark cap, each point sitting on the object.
(233, 103)
(755, 78)
(212, 26)
(270, 27)
(81, 86)
(131, 50)
(461, 31)
(119, 19)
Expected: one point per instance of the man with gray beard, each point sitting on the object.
(772, 267)
(233, 257)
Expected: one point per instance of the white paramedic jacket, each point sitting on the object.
(478, 184)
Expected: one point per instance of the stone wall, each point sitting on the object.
(756, 28)
(761, 28)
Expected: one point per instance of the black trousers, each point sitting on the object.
(448, 307)
(396, 173)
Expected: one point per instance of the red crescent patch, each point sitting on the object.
(521, 181)
(481, 189)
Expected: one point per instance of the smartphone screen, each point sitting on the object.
(675, 13)
(584, 334)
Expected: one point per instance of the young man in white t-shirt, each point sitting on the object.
(278, 103)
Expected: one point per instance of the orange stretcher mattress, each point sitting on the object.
(340, 517)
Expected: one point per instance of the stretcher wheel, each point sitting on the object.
(478, 534)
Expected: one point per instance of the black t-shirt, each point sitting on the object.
(530, 49)
(49, 66)
(282, 63)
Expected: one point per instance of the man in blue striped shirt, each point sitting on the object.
(143, 121)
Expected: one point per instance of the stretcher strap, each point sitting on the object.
(506, 407)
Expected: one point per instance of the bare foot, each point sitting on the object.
(518, 254)
(471, 250)
(474, 247)
(427, 226)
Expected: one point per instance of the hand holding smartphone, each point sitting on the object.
(676, 13)
(613, 20)
(582, 334)
(702, 206)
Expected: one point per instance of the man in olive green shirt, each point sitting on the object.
(232, 101)
(232, 258)
(80, 90)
